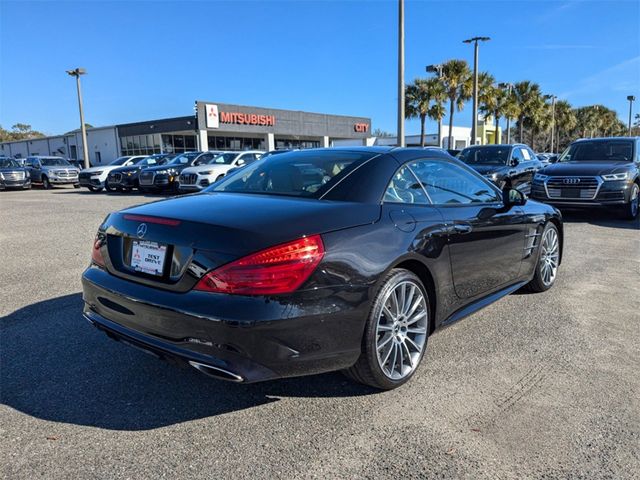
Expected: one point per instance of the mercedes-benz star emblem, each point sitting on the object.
(142, 230)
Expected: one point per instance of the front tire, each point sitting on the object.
(630, 210)
(396, 333)
(46, 184)
(548, 260)
(107, 187)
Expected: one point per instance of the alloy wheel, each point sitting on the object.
(549, 256)
(401, 331)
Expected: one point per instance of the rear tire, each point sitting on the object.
(630, 210)
(395, 336)
(548, 260)
(46, 184)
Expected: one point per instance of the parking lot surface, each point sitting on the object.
(535, 386)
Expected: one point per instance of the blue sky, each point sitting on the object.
(153, 59)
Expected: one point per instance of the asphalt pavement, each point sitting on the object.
(534, 386)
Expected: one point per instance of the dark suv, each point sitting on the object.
(12, 175)
(125, 179)
(508, 166)
(165, 177)
(593, 172)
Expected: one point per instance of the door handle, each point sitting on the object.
(512, 172)
(462, 228)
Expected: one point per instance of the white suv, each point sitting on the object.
(194, 179)
(95, 178)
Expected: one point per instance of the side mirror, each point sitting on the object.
(553, 158)
(240, 162)
(512, 197)
(37, 166)
(514, 162)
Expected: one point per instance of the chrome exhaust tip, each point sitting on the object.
(216, 372)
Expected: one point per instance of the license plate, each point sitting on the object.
(148, 257)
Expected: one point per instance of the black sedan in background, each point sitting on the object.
(317, 260)
(594, 172)
(13, 175)
(125, 179)
(510, 166)
(165, 177)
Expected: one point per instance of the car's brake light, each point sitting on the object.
(96, 254)
(276, 270)
(149, 219)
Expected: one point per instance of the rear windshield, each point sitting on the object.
(300, 174)
(600, 150)
(223, 158)
(494, 155)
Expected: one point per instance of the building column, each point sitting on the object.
(203, 140)
(270, 142)
(324, 143)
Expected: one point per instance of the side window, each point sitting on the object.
(404, 188)
(449, 184)
(205, 158)
(517, 155)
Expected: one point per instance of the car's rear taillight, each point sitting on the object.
(276, 270)
(96, 254)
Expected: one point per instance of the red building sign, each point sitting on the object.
(247, 118)
(361, 127)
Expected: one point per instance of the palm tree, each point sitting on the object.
(417, 102)
(565, 119)
(528, 96)
(437, 111)
(511, 110)
(457, 82)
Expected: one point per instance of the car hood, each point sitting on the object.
(585, 168)
(178, 168)
(487, 169)
(206, 168)
(105, 168)
(241, 223)
(133, 168)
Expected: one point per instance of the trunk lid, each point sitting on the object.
(197, 233)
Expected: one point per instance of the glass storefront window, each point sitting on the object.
(157, 143)
(236, 143)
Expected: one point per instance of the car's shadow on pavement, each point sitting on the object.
(600, 217)
(54, 365)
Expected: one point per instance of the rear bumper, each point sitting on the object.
(252, 338)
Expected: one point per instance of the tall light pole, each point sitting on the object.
(509, 88)
(631, 99)
(474, 125)
(553, 117)
(401, 139)
(437, 69)
(85, 150)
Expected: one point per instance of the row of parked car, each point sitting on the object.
(591, 172)
(185, 172)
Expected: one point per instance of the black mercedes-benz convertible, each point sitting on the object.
(317, 260)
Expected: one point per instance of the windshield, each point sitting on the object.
(599, 151)
(8, 163)
(120, 161)
(184, 158)
(155, 160)
(223, 158)
(489, 155)
(298, 174)
(54, 161)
